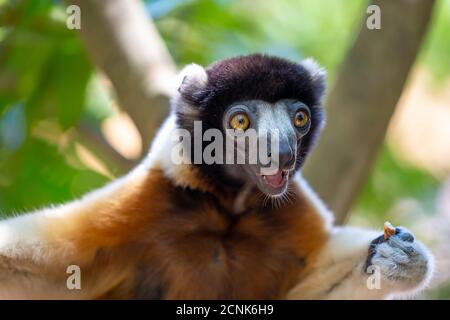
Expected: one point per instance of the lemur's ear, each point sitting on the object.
(192, 78)
(318, 76)
(190, 84)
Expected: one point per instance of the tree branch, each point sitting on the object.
(121, 39)
(91, 137)
(363, 99)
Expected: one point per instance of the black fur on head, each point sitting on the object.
(206, 93)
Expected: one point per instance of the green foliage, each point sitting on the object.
(204, 31)
(46, 62)
(39, 172)
(436, 51)
(393, 180)
(44, 75)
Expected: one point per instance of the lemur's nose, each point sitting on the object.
(286, 156)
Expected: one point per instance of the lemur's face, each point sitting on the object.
(275, 101)
(277, 130)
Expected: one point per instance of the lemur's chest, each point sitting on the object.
(196, 249)
(208, 255)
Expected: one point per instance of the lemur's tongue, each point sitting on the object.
(275, 180)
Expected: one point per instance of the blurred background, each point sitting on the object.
(68, 124)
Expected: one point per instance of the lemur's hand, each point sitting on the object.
(403, 262)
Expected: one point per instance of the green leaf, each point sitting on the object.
(72, 72)
(392, 180)
(39, 175)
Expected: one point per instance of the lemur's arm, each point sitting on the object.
(37, 248)
(398, 266)
(32, 257)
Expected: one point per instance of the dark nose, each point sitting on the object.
(286, 156)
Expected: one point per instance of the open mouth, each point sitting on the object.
(274, 184)
(271, 184)
(277, 180)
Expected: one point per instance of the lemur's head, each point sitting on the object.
(278, 99)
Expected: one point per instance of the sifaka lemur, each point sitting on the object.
(193, 230)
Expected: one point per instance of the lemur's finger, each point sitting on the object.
(404, 234)
(372, 250)
(394, 254)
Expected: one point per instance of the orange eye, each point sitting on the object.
(301, 119)
(240, 121)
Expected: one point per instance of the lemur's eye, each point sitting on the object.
(301, 119)
(240, 121)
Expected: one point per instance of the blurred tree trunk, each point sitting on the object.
(122, 41)
(363, 99)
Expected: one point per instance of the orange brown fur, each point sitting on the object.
(154, 239)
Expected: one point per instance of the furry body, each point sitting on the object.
(168, 231)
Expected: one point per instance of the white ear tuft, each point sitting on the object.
(192, 76)
(315, 69)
